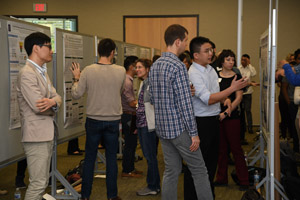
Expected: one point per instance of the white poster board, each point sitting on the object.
(73, 52)
(16, 33)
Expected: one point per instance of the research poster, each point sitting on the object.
(130, 50)
(17, 59)
(73, 52)
(145, 53)
(266, 85)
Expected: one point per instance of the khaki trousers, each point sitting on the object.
(38, 155)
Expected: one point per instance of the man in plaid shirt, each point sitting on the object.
(174, 117)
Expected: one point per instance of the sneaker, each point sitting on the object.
(146, 191)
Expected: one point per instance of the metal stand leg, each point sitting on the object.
(56, 175)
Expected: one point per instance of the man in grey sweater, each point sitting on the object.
(103, 83)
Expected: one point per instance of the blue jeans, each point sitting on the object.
(108, 131)
(148, 144)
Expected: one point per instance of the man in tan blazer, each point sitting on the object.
(38, 102)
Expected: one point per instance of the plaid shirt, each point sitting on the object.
(171, 97)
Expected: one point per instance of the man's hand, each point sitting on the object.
(227, 103)
(281, 63)
(75, 69)
(239, 84)
(44, 104)
(279, 72)
(193, 90)
(195, 143)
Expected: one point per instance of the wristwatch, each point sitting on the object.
(226, 114)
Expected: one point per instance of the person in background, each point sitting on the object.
(230, 126)
(104, 83)
(155, 57)
(291, 79)
(247, 71)
(38, 103)
(174, 117)
(145, 123)
(186, 59)
(73, 148)
(283, 106)
(128, 120)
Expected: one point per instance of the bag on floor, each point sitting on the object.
(75, 174)
(251, 171)
(252, 194)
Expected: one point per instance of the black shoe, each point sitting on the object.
(218, 184)
(20, 184)
(75, 153)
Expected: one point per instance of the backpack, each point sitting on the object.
(75, 174)
(252, 194)
(291, 186)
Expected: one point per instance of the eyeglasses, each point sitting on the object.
(211, 50)
(46, 45)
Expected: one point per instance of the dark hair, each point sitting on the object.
(185, 55)
(129, 61)
(173, 33)
(212, 44)
(155, 57)
(296, 53)
(246, 56)
(36, 38)
(105, 47)
(224, 54)
(145, 62)
(196, 44)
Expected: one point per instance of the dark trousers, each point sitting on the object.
(293, 109)
(209, 134)
(73, 145)
(284, 114)
(246, 112)
(130, 144)
(108, 131)
(230, 137)
(21, 168)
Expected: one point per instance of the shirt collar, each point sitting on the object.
(129, 77)
(169, 54)
(201, 68)
(42, 69)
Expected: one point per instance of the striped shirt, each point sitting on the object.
(171, 97)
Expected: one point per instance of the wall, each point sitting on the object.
(218, 21)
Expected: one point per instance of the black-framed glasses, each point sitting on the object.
(46, 45)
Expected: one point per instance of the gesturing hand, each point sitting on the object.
(75, 69)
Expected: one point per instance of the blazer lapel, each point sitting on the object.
(40, 77)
